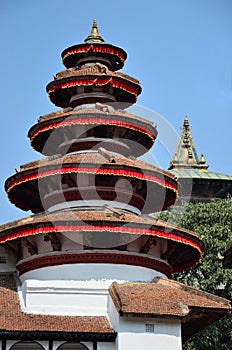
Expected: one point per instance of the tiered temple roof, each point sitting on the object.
(89, 197)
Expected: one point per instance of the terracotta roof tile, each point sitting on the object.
(97, 216)
(187, 246)
(68, 112)
(96, 158)
(161, 298)
(96, 70)
(164, 298)
(13, 319)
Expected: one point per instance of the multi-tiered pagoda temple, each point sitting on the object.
(89, 269)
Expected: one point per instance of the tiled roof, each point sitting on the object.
(94, 111)
(116, 55)
(96, 158)
(167, 298)
(141, 131)
(185, 246)
(12, 319)
(24, 186)
(162, 297)
(197, 174)
(93, 71)
(99, 216)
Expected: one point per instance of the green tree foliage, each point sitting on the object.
(213, 222)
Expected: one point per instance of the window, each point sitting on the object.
(26, 345)
(150, 328)
(72, 346)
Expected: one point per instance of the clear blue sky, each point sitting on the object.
(181, 51)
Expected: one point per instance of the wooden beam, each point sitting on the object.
(10, 250)
(118, 214)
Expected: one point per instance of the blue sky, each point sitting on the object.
(179, 50)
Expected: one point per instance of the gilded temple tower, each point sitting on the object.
(196, 182)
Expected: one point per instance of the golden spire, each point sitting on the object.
(185, 152)
(94, 35)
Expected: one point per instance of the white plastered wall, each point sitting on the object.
(77, 293)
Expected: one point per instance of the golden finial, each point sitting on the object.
(203, 167)
(186, 123)
(186, 142)
(94, 35)
(202, 159)
(190, 155)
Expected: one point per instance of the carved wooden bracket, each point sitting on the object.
(55, 243)
(30, 247)
(147, 246)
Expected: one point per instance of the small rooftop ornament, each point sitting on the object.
(94, 35)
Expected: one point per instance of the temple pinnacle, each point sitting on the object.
(186, 123)
(202, 159)
(94, 35)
